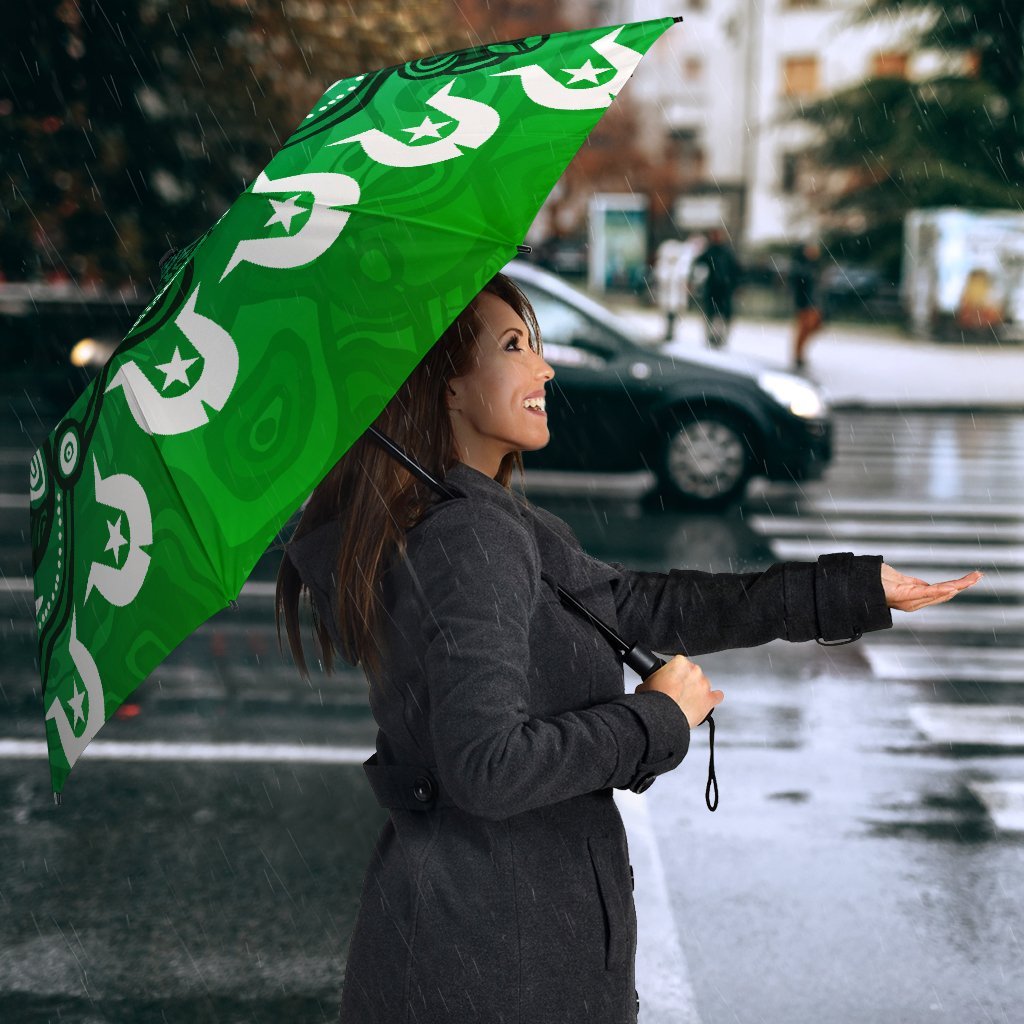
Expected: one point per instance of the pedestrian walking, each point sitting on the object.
(721, 276)
(500, 887)
(672, 266)
(803, 280)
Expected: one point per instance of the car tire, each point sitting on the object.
(705, 461)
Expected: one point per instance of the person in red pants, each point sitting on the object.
(803, 280)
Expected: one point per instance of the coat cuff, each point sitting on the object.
(668, 735)
(849, 596)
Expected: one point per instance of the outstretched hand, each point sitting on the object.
(908, 593)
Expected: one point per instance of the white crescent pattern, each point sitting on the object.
(547, 92)
(477, 123)
(74, 745)
(182, 413)
(316, 236)
(121, 491)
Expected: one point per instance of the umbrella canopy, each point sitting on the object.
(280, 336)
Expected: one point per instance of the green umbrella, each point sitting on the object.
(278, 338)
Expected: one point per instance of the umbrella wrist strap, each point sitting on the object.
(712, 779)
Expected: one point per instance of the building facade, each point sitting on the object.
(724, 85)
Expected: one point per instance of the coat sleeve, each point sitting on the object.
(478, 573)
(839, 597)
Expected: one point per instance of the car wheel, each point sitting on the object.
(705, 461)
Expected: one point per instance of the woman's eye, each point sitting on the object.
(513, 341)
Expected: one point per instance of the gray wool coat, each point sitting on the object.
(500, 889)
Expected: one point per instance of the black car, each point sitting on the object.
(703, 423)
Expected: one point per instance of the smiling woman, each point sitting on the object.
(499, 406)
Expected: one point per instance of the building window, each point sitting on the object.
(800, 76)
(688, 153)
(889, 64)
(790, 171)
(693, 69)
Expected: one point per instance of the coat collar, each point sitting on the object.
(477, 485)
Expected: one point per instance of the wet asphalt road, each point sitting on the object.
(860, 867)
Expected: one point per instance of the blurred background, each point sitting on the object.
(864, 160)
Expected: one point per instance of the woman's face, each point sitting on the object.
(487, 412)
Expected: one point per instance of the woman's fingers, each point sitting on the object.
(909, 597)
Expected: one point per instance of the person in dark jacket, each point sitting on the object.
(803, 280)
(500, 887)
(721, 271)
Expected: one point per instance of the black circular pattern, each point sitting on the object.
(459, 62)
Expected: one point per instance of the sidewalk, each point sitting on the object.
(862, 365)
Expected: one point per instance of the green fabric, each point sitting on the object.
(279, 336)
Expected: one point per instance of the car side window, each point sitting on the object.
(563, 327)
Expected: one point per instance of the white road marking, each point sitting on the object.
(260, 753)
(662, 975)
(952, 664)
(1004, 802)
(971, 556)
(970, 725)
(828, 506)
(965, 617)
(907, 529)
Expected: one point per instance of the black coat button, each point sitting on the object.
(643, 783)
(423, 789)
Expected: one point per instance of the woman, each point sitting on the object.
(500, 886)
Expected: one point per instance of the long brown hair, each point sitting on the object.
(369, 486)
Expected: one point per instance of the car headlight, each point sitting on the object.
(799, 397)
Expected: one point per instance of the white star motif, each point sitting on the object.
(175, 369)
(116, 541)
(75, 703)
(426, 127)
(285, 212)
(586, 73)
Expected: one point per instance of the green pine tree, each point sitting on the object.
(954, 139)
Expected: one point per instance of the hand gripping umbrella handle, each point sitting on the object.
(645, 663)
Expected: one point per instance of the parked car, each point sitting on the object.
(705, 423)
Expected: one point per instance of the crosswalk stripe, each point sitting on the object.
(988, 725)
(961, 618)
(1004, 801)
(908, 507)
(951, 664)
(970, 556)
(950, 529)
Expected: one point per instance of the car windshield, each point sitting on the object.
(567, 315)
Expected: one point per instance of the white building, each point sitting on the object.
(724, 81)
